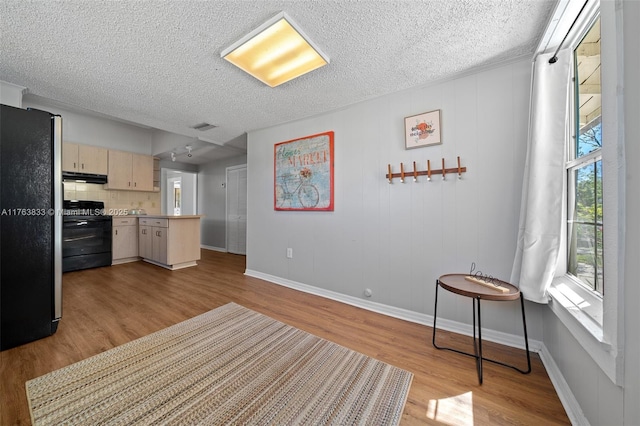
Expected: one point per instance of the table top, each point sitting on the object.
(456, 283)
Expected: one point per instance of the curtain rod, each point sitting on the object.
(554, 59)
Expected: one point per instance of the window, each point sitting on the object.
(584, 168)
(586, 292)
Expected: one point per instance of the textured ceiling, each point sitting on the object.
(157, 62)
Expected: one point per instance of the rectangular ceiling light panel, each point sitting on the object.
(276, 52)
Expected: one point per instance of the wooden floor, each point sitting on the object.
(106, 307)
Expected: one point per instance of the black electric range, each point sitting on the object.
(86, 235)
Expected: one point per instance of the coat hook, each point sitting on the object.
(389, 175)
(402, 172)
(444, 171)
(459, 169)
(429, 170)
(415, 172)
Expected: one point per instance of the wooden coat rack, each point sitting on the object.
(415, 173)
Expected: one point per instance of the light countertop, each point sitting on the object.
(168, 216)
(160, 216)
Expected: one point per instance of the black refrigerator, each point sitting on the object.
(31, 195)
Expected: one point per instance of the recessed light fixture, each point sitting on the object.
(276, 52)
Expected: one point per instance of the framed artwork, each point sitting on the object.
(423, 130)
(303, 173)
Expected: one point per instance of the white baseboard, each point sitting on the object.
(404, 314)
(222, 249)
(568, 400)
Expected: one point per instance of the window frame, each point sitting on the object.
(592, 319)
(574, 162)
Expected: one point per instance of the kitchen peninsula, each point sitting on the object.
(172, 242)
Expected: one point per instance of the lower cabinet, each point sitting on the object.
(124, 240)
(153, 239)
(170, 243)
(144, 242)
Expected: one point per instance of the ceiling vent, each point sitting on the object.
(204, 126)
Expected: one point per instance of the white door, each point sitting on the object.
(237, 209)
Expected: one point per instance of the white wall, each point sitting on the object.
(398, 239)
(166, 141)
(189, 192)
(11, 94)
(212, 201)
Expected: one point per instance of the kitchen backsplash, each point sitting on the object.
(115, 202)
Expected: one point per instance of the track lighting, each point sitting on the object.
(173, 156)
(189, 148)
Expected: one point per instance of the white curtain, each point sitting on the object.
(539, 233)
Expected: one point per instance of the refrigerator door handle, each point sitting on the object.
(57, 216)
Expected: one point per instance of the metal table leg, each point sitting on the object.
(477, 343)
(479, 352)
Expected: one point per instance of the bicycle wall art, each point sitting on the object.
(303, 173)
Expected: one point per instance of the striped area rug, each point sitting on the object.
(230, 365)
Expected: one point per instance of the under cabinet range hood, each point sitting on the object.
(83, 177)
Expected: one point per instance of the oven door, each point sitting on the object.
(86, 242)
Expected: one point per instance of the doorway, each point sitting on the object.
(236, 202)
(179, 192)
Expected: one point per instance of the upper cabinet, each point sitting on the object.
(84, 159)
(129, 171)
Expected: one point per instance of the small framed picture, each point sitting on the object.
(423, 130)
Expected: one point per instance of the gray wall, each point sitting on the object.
(212, 201)
(631, 286)
(89, 130)
(397, 239)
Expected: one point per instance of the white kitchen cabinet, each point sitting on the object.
(84, 159)
(124, 240)
(172, 242)
(130, 171)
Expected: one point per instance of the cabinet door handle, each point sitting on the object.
(82, 166)
(116, 232)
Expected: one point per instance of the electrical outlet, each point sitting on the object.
(289, 253)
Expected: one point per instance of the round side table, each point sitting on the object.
(495, 290)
